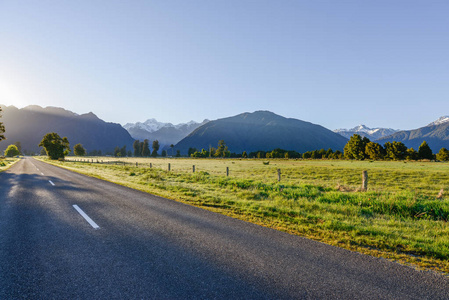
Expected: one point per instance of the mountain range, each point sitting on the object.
(28, 126)
(165, 133)
(436, 134)
(364, 131)
(262, 130)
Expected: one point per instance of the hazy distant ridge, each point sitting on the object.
(29, 124)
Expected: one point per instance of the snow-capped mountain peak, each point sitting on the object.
(363, 130)
(150, 125)
(441, 120)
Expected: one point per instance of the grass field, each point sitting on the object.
(5, 163)
(399, 218)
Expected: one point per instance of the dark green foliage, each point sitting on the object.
(146, 148)
(79, 150)
(222, 149)
(244, 154)
(55, 146)
(155, 147)
(123, 151)
(191, 151)
(443, 155)
(137, 146)
(95, 153)
(337, 155)
(355, 148)
(204, 153)
(117, 152)
(178, 153)
(411, 154)
(11, 151)
(395, 150)
(424, 151)
(2, 128)
(374, 151)
(19, 146)
(164, 153)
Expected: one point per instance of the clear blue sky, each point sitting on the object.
(333, 63)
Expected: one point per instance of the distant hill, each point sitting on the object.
(364, 131)
(262, 130)
(165, 133)
(436, 134)
(29, 125)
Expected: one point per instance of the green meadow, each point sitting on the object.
(5, 163)
(403, 216)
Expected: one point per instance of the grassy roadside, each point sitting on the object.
(6, 163)
(400, 222)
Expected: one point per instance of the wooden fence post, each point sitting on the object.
(364, 181)
(168, 166)
(193, 168)
(227, 171)
(151, 165)
(137, 164)
(279, 174)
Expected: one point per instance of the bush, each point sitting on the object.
(11, 151)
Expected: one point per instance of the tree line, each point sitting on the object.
(359, 148)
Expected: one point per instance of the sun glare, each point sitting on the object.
(8, 96)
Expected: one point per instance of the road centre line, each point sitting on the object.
(42, 173)
(86, 217)
(51, 183)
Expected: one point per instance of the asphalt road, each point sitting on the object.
(147, 247)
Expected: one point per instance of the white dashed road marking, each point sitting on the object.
(86, 217)
(51, 183)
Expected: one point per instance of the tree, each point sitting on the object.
(374, 151)
(178, 153)
(191, 151)
(55, 146)
(117, 152)
(2, 128)
(155, 147)
(337, 155)
(146, 148)
(172, 146)
(222, 149)
(164, 153)
(395, 150)
(19, 146)
(11, 151)
(443, 155)
(137, 148)
(123, 151)
(355, 148)
(411, 154)
(79, 150)
(146, 152)
(424, 151)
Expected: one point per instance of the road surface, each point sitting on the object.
(147, 247)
